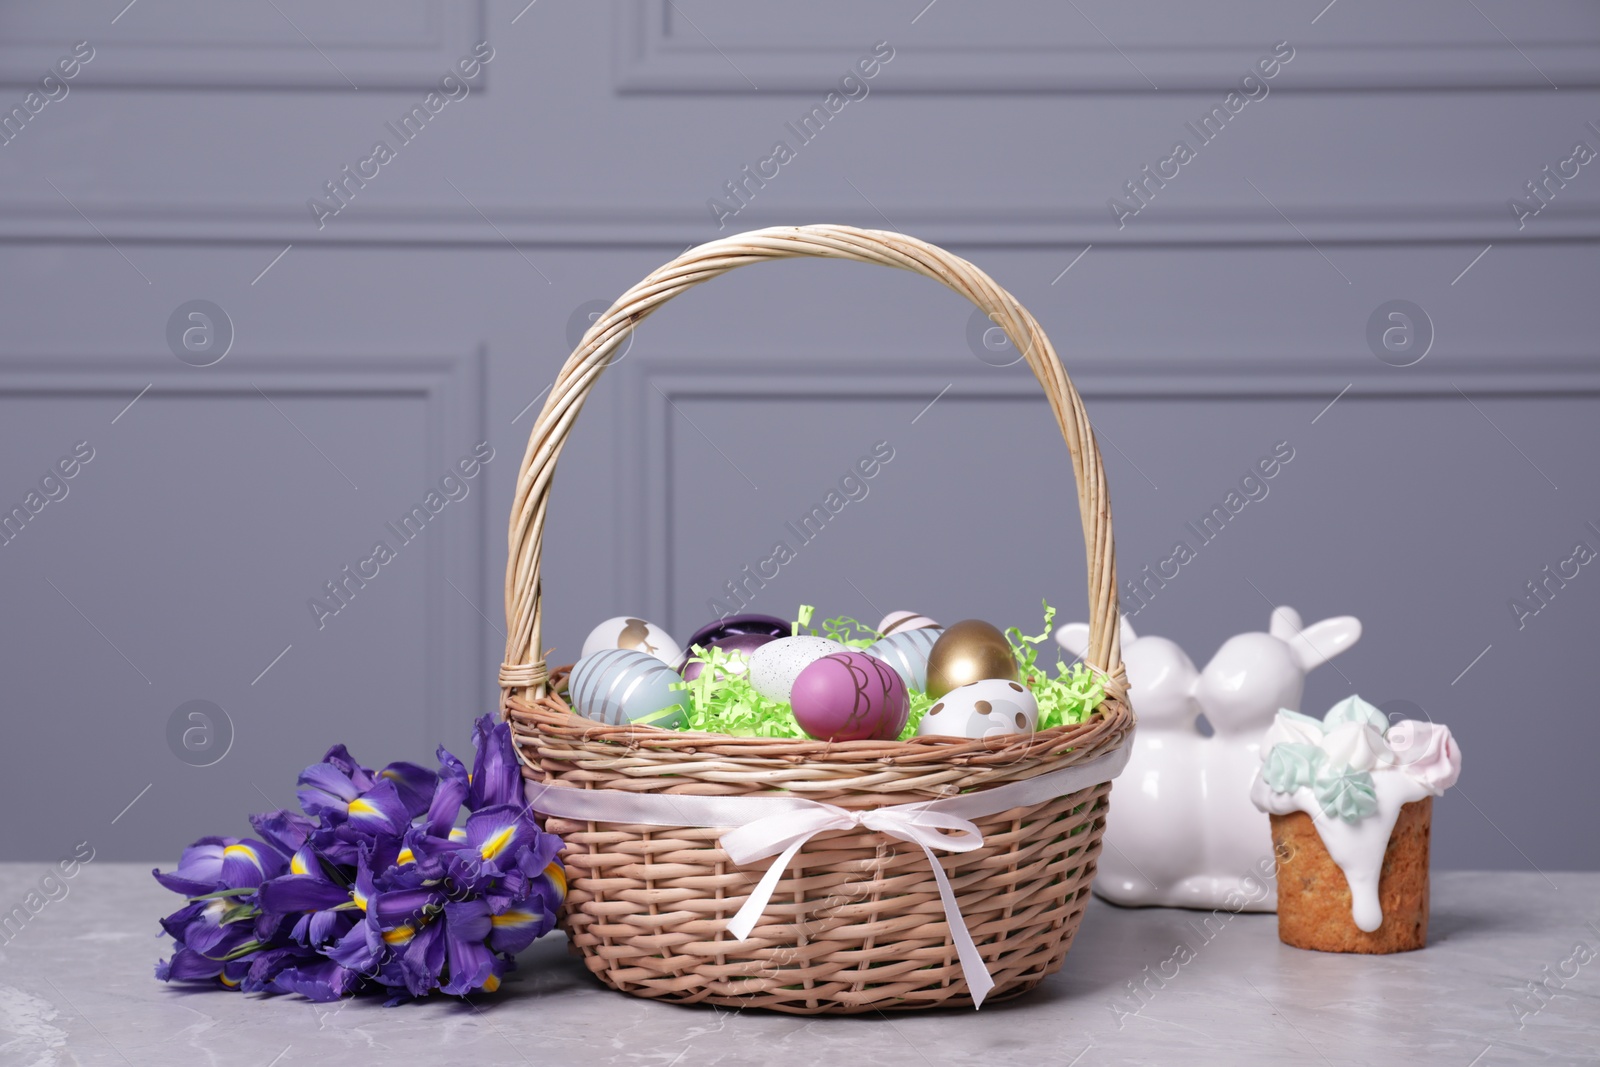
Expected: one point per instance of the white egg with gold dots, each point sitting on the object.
(988, 708)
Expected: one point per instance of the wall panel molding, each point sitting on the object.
(656, 384)
(452, 391)
(676, 227)
(392, 44)
(659, 52)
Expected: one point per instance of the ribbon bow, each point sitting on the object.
(786, 832)
(781, 825)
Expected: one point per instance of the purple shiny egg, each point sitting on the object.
(850, 696)
(736, 644)
(714, 633)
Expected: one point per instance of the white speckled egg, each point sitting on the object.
(988, 708)
(899, 621)
(620, 685)
(775, 665)
(907, 652)
(627, 632)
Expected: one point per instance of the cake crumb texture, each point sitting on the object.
(1314, 898)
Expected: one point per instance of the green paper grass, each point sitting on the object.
(722, 700)
(1064, 700)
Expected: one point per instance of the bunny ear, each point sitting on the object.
(1321, 641)
(1285, 623)
(1074, 637)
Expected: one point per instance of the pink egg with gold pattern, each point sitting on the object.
(850, 696)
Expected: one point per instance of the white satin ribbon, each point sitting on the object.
(781, 825)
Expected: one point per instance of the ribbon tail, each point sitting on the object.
(972, 967)
(743, 922)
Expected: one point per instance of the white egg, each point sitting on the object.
(620, 685)
(988, 708)
(775, 665)
(900, 621)
(625, 631)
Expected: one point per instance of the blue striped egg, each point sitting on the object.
(907, 652)
(621, 685)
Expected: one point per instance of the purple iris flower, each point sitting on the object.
(215, 929)
(284, 830)
(296, 970)
(496, 776)
(375, 886)
(496, 840)
(326, 792)
(188, 965)
(454, 785)
(212, 864)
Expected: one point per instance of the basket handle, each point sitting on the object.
(523, 671)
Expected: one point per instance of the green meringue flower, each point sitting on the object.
(1290, 765)
(1354, 709)
(1345, 794)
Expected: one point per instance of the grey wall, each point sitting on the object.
(376, 351)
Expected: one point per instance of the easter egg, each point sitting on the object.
(896, 621)
(969, 651)
(736, 645)
(736, 634)
(621, 685)
(637, 634)
(714, 633)
(907, 652)
(850, 696)
(982, 709)
(775, 665)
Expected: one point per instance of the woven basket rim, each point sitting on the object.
(548, 736)
(1039, 744)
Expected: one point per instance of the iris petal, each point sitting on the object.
(403, 906)
(187, 965)
(379, 810)
(284, 830)
(496, 777)
(467, 924)
(415, 784)
(301, 892)
(325, 790)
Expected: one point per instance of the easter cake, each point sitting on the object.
(1351, 802)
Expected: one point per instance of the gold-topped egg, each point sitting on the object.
(969, 651)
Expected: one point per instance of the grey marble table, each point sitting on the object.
(76, 988)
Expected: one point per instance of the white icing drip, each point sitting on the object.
(1357, 847)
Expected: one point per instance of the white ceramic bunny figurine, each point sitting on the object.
(1183, 832)
(1155, 845)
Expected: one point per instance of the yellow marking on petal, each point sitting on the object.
(557, 874)
(515, 918)
(491, 983)
(360, 899)
(399, 935)
(230, 985)
(243, 850)
(458, 834)
(497, 844)
(297, 865)
(406, 856)
(362, 806)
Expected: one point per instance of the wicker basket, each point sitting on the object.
(856, 923)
